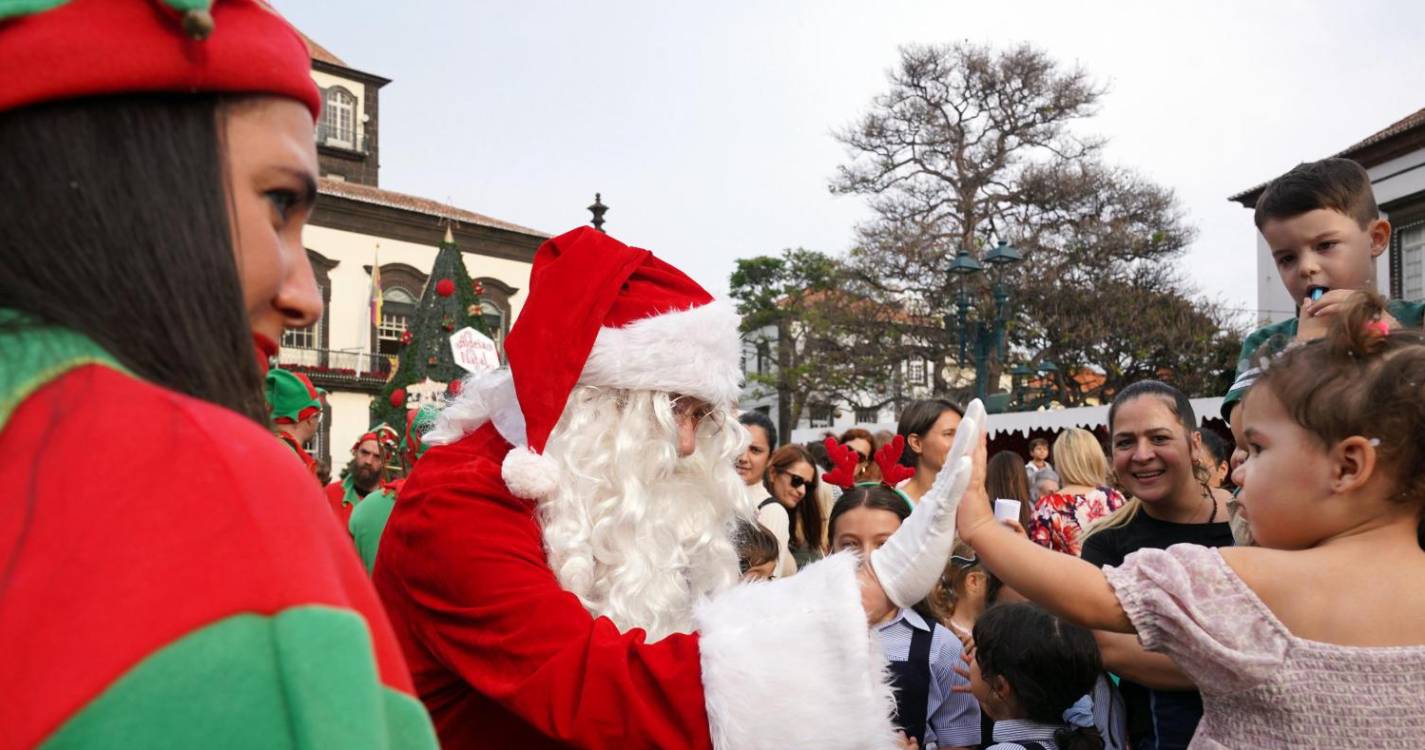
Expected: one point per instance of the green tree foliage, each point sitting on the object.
(799, 321)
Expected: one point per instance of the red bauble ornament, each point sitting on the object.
(398, 397)
(454, 388)
(479, 288)
(406, 338)
(445, 287)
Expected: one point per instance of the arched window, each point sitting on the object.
(398, 306)
(338, 126)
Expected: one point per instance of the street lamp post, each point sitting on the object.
(984, 337)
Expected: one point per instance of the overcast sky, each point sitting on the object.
(707, 126)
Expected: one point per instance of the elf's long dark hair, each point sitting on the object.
(114, 223)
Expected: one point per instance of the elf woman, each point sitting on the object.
(169, 576)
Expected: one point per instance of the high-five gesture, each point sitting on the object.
(910, 562)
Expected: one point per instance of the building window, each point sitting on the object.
(494, 319)
(319, 447)
(820, 415)
(338, 126)
(303, 338)
(867, 415)
(1412, 261)
(397, 307)
(916, 376)
(764, 358)
(300, 338)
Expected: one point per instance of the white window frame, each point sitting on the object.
(339, 117)
(916, 372)
(1412, 261)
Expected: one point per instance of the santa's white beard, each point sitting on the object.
(637, 533)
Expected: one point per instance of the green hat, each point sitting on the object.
(418, 422)
(291, 397)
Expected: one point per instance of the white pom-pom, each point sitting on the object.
(530, 475)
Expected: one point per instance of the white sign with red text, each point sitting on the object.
(474, 351)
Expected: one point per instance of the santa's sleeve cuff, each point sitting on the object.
(791, 663)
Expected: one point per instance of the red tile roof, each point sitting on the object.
(318, 52)
(1409, 122)
(393, 199)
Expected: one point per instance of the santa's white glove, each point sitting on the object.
(912, 560)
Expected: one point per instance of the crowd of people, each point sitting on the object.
(1157, 481)
(589, 547)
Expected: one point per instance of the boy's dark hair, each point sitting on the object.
(758, 419)
(1340, 185)
(1049, 663)
(755, 544)
(877, 497)
(1357, 381)
(1036, 442)
(917, 419)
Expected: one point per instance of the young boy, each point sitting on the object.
(1038, 459)
(1324, 230)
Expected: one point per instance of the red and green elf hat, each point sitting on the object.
(418, 422)
(291, 397)
(368, 436)
(52, 50)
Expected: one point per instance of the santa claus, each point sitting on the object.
(559, 570)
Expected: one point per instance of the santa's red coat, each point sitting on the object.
(503, 657)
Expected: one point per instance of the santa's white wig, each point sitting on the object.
(638, 533)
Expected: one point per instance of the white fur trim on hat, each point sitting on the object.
(800, 644)
(529, 475)
(697, 352)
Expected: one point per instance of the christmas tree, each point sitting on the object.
(426, 365)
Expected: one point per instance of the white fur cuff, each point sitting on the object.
(529, 475)
(791, 663)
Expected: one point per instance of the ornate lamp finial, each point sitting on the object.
(598, 209)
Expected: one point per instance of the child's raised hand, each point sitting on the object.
(906, 743)
(1316, 316)
(967, 655)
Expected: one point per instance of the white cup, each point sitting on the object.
(1006, 510)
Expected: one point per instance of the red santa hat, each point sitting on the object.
(602, 313)
(79, 48)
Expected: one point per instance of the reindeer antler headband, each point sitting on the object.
(847, 461)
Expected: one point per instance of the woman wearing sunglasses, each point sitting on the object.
(790, 479)
(864, 443)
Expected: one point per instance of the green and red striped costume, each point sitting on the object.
(170, 577)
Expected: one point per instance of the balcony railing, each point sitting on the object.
(348, 140)
(336, 368)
